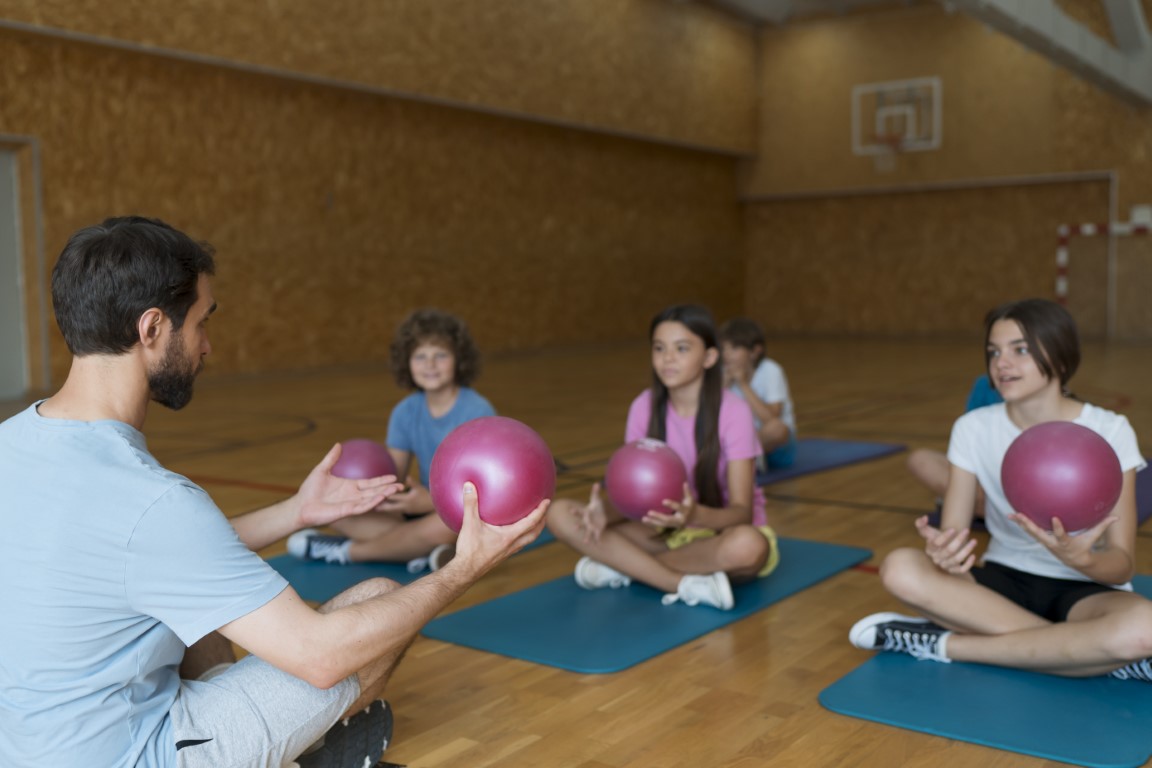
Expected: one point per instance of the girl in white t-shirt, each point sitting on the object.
(1053, 601)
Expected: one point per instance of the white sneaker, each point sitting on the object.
(308, 544)
(711, 589)
(436, 559)
(440, 556)
(593, 575)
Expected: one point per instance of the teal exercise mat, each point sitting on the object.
(318, 581)
(607, 630)
(1143, 495)
(1097, 721)
(817, 454)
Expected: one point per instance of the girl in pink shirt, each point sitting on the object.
(716, 533)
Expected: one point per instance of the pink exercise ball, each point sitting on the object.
(641, 475)
(361, 459)
(1063, 470)
(506, 460)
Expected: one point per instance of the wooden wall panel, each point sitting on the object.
(677, 72)
(893, 261)
(1133, 279)
(335, 213)
(1093, 129)
(907, 264)
(809, 71)
(1007, 112)
(1088, 284)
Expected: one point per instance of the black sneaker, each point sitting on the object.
(913, 635)
(1137, 670)
(355, 742)
(310, 544)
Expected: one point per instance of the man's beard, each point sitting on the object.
(171, 384)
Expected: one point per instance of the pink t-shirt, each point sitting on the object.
(737, 440)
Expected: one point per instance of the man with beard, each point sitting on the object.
(124, 585)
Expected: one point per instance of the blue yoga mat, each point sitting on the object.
(817, 454)
(318, 582)
(1143, 495)
(1098, 722)
(606, 630)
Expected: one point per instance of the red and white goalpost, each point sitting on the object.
(1104, 276)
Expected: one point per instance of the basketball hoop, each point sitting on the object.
(895, 117)
(890, 146)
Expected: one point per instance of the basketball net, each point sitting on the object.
(891, 146)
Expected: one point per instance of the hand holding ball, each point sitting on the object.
(362, 459)
(641, 475)
(509, 464)
(1063, 470)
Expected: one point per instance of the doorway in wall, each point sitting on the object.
(13, 319)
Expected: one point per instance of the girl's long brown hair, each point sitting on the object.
(698, 320)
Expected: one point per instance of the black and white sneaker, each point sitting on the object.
(356, 742)
(917, 637)
(1137, 670)
(310, 544)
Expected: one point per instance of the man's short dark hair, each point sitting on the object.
(110, 274)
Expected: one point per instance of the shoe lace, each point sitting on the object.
(918, 644)
(330, 549)
(1137, 670)
(693, 596)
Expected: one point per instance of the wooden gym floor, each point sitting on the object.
(742, 696)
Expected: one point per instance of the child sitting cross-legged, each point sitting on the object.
(434, 355)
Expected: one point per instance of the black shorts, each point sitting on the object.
(1042, 595)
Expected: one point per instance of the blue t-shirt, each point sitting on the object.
(413, 429)
(110, 566)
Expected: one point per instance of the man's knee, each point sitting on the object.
(358, 593)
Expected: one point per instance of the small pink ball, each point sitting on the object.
(506, 460)
(1063, 470)
(642, 475)
(361, 459)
